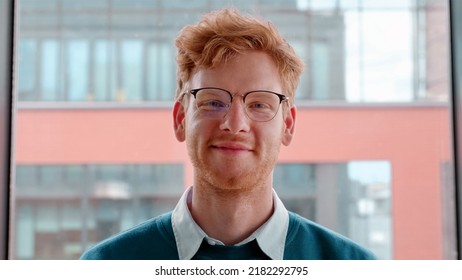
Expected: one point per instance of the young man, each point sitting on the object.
(234, 108)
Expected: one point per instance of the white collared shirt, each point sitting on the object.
(271, 236)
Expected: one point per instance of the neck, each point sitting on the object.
(231, 215)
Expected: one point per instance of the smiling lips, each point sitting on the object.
(232, 147)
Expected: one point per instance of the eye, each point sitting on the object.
(257, 105)
(212, 105)
(261, 101)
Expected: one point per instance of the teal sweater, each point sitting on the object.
(154, 240)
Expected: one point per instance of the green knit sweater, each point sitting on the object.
(154, 240)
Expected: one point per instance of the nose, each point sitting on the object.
(236, 120)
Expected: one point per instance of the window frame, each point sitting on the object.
(456, 101)
(7, 35)
(7, 17)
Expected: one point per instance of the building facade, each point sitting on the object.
(95, 151)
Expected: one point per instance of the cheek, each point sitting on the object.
(270, 138)
(276, 129)
(198, 131)
(191, 122)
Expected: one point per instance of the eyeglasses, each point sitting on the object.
(260, 105)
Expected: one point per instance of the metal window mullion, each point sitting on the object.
(455, 6)
(7, 17)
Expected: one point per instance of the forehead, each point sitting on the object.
(251, 70)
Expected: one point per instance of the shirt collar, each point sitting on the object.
(271, 236)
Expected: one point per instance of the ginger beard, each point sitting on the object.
(229, 174)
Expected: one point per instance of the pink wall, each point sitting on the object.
(414, 139)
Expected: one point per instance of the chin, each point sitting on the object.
(233, 176)
(239, 183)
(230, 189)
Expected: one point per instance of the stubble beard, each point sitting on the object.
(212, 180)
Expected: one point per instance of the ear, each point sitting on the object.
(179, 120)
(289, 125)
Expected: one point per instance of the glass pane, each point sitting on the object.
(132, 65)
(94, 148)
(78, 69)
(102, 69)
(49, 70)
(27, 71)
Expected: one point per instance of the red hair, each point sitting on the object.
(220, 35)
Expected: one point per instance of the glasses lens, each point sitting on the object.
(214, 102)
(261, 106)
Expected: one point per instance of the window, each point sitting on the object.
(93, 148)
(351, 198)
(79, 205)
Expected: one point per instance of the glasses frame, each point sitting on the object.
(281, 97)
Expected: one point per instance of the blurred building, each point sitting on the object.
(95, 151)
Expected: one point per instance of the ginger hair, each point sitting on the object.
(225, 33)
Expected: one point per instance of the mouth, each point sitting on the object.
(232, 147)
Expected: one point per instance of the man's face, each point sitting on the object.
(234, 152)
